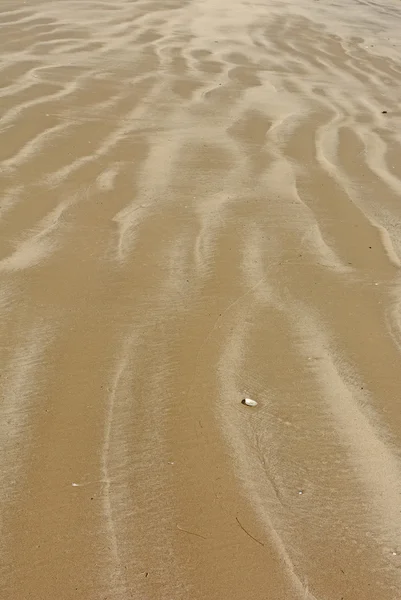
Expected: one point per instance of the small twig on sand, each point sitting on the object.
(247, 532)
(191, 532)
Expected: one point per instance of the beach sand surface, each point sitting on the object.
(200, 201)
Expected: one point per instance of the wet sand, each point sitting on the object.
(200, 201)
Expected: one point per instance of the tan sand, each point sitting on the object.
(200, 201)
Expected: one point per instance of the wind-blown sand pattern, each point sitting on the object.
(200, 201)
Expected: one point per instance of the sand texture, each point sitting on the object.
(200, 201)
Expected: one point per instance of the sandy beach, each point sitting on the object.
(200, 201)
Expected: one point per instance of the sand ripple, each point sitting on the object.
(200, 200)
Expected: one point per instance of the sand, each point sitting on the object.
(200, 201)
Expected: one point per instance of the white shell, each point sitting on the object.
(249, 402)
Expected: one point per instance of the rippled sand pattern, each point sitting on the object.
(200, 200)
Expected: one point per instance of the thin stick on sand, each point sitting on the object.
(247, 532)
(191, 532)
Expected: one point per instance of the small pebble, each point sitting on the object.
(249, 402)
